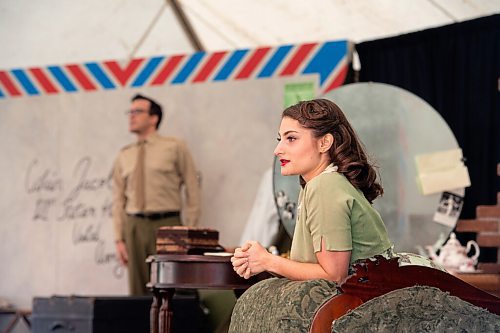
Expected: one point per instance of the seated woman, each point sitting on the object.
(336, 222)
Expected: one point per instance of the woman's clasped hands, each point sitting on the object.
(250, 259)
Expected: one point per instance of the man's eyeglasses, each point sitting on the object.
(134, 112)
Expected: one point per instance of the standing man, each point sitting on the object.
(148, 176)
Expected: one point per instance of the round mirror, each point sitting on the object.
(395, 127)
(286, 195)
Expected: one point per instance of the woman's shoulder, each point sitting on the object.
(330, 181)
(327, 178)
(332, 187)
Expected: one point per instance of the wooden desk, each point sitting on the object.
(488, 282)
(189, 272)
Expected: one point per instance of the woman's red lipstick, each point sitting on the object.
(284, 162)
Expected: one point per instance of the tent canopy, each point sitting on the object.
(57, 31)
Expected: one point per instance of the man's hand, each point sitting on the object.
(121, 251)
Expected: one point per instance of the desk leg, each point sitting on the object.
(165, 315)
(154, 313)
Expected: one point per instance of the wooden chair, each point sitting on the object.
(373, 278)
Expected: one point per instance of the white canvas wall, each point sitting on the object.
(55, 231)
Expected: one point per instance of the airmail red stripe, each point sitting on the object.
(80, 76)
(122, 75)
(7, 83)
(209, 66)
(297, 59)
(43, 80)
(339, 79)
(252, 63)
(167, 70)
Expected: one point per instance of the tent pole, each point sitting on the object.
(186, 25)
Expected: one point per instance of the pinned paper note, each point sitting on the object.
(441, 171)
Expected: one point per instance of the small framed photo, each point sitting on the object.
(448, 211)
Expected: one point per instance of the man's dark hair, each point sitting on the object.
(154, 110)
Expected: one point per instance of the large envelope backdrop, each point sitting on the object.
(61, 127)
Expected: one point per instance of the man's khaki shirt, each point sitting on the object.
(167, 166)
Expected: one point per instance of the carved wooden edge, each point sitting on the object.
(373, 278)
(331, 310)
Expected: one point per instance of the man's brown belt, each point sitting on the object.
(156, 216)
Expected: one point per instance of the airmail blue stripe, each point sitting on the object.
(25, 82)
(188, 68)
(275, 61)
(326, 59)
(230, 65)
(1, 94)
(146, 72)
(62, 78)
(100, 76)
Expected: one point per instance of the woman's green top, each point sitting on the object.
(330, 207)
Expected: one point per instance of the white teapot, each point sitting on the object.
(453, 256)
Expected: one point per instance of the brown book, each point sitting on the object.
(187, 240)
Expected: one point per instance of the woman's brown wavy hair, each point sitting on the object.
(323, 116)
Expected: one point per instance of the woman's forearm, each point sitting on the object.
(295, 270)
(253, 259)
